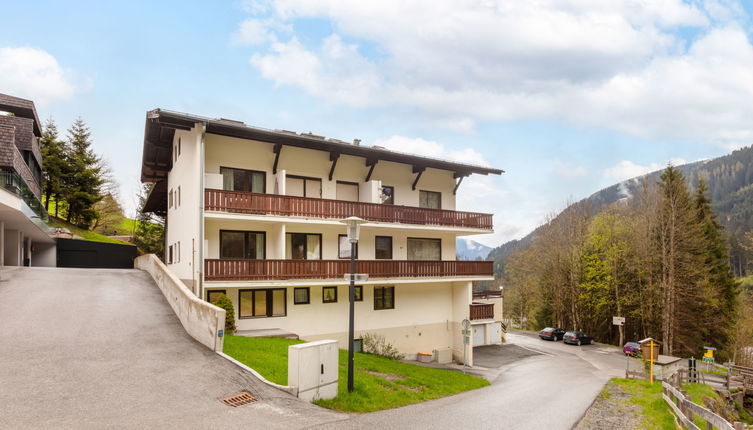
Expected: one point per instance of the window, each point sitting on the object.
(388, 195)
(343, 247)
(170, 254)
(384, 298)
(213, 295)
(358, 293)
(262, 303)
(424, 249)
(243, 180)
(248, 245)
(429, 199)
(179, 146)
(170, 198)
(177, 257)
(347, 191)
(329, 294)
(301, 296)
(178, 196)
(383, 245)
(303, 187)
(303, 246)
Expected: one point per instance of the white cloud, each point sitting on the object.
(34, 74)
(430, 148)
(626, 169)
(620, 65)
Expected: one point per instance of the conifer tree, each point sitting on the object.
(677, 240)
(718, 288)
(55, 163)
(85, 181)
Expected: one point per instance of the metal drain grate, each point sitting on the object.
(239, 399)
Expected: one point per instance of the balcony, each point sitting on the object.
(482, 311)
(272, 204)
(262, 270)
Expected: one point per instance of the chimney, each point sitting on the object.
(357, 142)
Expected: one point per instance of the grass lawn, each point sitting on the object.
(84, 234)
(379, 383)
(655, 411)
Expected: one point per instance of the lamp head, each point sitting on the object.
(354, 227)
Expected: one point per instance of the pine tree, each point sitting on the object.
(55, 163)
(85, 181)
(718, 288)
(677, 235)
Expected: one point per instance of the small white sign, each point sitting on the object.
(618, 320)
(358, 277)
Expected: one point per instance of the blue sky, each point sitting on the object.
(566, 96)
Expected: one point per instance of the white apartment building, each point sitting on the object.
(255, 214)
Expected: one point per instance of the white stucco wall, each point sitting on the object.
(424, 317)
(224, 151)
(275, 237)
(184, 219)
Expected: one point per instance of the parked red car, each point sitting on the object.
(632, 348)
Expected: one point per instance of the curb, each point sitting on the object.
(286, 388)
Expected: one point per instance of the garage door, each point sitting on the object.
(479, 334)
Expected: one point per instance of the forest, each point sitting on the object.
(661, 259)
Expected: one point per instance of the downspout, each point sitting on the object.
(201, 211)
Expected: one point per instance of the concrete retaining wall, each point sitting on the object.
(201, 320)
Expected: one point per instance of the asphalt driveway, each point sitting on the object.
(86, 348)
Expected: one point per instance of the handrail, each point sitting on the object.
(482, 311)
(247, 270)
(273, 204)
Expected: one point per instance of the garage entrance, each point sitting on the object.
(94, 255)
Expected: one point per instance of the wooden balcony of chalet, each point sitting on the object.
(261, 270)
(482, 311)
(273, 204)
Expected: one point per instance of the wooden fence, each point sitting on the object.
(686, 411)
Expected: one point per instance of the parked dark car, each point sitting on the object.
(551, 333)
(632, 349)
(578, 338)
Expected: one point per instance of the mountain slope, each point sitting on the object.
(730, 182)
(471, 250)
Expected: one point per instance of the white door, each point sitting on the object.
(479, 334)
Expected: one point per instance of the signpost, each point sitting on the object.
(620, 323)
(651, 361)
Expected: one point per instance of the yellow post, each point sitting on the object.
(651, 361)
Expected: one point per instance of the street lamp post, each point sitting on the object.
(354, 226)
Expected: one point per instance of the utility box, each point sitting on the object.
(313, 369)
(443, 355)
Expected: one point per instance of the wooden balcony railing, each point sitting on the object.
(482, 311)
(255, 270)
(273, 204)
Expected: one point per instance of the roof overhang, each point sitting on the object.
(161, 124)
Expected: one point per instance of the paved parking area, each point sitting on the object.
(89, 348)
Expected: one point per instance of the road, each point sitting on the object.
(549, 391)
(85, 348)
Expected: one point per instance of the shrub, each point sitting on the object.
(224, 302)
(376, 344)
